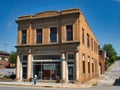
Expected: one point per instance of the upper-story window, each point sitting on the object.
(92, 44)
(24, 36)
(38, 35)
(83, 40)
(69, 32)
(53, 34)
(88, 40)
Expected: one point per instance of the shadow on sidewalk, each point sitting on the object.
(117, 82)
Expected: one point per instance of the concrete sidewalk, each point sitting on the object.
(51, 85)
(40, 84)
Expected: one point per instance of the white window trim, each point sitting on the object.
(88, 59)
(83, 57)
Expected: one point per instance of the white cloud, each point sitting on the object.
(10, 23)
(117, 0)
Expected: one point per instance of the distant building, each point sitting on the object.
(4, 57)
(102, 56)
(56, 44)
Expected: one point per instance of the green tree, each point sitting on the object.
(13, 57)
(111, 53)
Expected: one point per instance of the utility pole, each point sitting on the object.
(5, 46)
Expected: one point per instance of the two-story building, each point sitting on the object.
(56, 44)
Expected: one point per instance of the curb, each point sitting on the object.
(44, 86)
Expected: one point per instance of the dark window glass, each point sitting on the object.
(92, 43)
(39, 35)
(70, 56)
(53, 34)
(92, 67)
(88, 64)
(88, 40)
(83, 66)
(25, 57)
(83, 36)
(69, 32)
(46, 57)
(83, 58)
(24, 36)
(24, 75)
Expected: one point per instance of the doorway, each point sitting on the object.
(70, 73)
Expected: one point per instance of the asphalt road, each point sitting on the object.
(3, 87)
(111, 77)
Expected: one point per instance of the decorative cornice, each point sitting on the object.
(56, 44)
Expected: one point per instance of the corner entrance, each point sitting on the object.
(70, 72)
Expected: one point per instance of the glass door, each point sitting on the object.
(70, 73)
(24, 75)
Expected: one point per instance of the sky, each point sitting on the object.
(103, 17)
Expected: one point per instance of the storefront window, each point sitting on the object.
(47, 70)
(24, 66)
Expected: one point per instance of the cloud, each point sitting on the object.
(10, 23)
(117, 0)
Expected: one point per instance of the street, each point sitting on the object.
(111, 77)
(109, 81)
(4, 87)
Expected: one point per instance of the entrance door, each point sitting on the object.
(24, 74)
(70, 73)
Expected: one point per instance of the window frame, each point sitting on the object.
(83, 36)
(83, 61)
(69, 37)
(41, 36)
(23, 35)
(50, 38)
(88, 64)
(88, 40)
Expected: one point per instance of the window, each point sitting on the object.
(88, 40)
(83, 59)
(69, 32)
(24, 58)
(47, 70)
(88, 64)
(24, 66)
(46, 57)
(92, 44)
(53, 34)
(24, 36)
(70, 56)
(82, 35)
(92, 65)
(95, 47)
(38, 35)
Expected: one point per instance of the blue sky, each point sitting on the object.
(103, 17)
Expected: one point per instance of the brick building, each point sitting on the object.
(56, 44)
(102, 55)
(4, 59)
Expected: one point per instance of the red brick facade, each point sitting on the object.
(102, 61)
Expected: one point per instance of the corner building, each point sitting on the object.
(56, 44)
